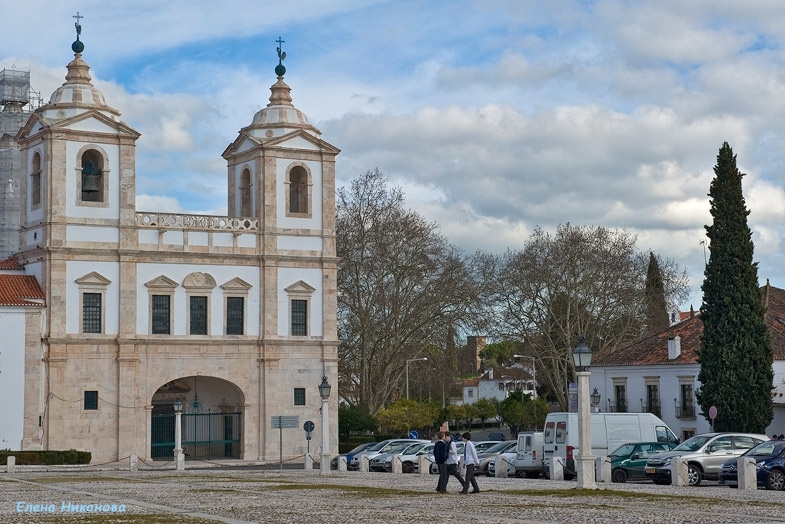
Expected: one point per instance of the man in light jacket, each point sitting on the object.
(470, 460)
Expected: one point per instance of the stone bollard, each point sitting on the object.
(602, 469)
(365, 464)
(308, 462)
(680, 473)
(748, 474)
(397, 465)
(11, 464)
(133, 462)
(424, 465)
(501, 468)
(556, 468)
(342, 463)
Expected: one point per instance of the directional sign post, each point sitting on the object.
(279, 422)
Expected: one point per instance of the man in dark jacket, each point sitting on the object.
(440, 452)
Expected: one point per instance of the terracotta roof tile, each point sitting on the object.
(20, 290)
(654, 349)
(11, 264)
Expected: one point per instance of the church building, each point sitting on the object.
(233, 316)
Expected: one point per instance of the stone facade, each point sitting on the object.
(234, 316)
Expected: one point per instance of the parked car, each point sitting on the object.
(383, 461)
(410, 457)
(379, 447)
(350, 455)
(434, 469)
(507, 459)
(487, 455)
(705, 454)
(770, 460)
(629, 460)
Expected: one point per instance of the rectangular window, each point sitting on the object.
(160, 313)
(299, 396)
(470, 393)
(621, 398)
(91, 313)
(90, 400)
(36, 190)
(686, 406)
(235, 315)
(299, 318)
(198, 316)
(653, 398)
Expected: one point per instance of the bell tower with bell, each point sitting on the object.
(79, 188)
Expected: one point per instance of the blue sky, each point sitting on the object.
(494, 116)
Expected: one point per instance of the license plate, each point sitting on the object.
(651, 470)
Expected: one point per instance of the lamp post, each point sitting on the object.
(324, 462)
(407, 372)
(179, 458)
(595, 401)
(581, 357)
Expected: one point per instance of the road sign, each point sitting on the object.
(413, 434)
(713, 412)
(308, 426)
(284, 421)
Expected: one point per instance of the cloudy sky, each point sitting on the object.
(494, 116)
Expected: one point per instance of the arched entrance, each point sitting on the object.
(211, 420)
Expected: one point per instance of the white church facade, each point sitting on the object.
(234, 316)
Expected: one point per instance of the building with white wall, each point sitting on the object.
(234, 316)
(659, 374)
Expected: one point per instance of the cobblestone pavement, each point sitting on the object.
(242, 495)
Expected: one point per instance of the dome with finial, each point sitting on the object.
(280, 116)
(77, 94)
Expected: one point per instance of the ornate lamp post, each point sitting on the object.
(179, 458)
(407, 372)
(581, 357)
(324, 462)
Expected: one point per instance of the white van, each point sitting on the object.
(528, 459)
(608, 432)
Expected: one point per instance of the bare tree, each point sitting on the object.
(401, 286)
(581, 280)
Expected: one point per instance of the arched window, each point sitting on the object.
(35, 182)
(245, 194)
(92, 177)
(298, 190)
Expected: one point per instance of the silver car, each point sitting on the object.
(380, 447)
(704, 454)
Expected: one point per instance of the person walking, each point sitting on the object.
(440, 455)
(470, 460)
(452, 462)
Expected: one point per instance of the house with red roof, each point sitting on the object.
(21, 304)
(659, 374)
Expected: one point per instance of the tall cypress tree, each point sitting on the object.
(656, 309)
(735, 355)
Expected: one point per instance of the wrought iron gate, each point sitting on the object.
(205, 436)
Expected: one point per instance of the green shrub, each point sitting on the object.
(46, 457)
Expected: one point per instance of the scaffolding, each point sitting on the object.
(17, 101)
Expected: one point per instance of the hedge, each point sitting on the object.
(48, 457)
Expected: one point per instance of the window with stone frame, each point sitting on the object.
(160, 291)
(90, 400)
(198, 292)
(299, 295)
(299, 396)
(299, 318)
(235, 303)
(35, 182)
(246, 210)
(298, 187)
(197, 321)
(92, 298)
(92, 177)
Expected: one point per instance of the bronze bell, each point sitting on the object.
(91, 178)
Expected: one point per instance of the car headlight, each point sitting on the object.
(667, 461)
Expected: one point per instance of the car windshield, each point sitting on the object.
(428, 448)
(623, 451)
(361, 447)
(377, 446)
(694, 443)
(771, 448)
(482, 447)
(412, 448)
(397, 447)
(498, 448)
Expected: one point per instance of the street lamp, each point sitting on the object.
(581, 357)
(324, 462)
(179, 458)
(407, 372)
(534, 372)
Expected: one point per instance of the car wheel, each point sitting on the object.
(695, 474)
(775, 481)
(407, 467)
(619, 475)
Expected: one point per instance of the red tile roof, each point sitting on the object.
(11, 264)
(20, 290)
(654, 349)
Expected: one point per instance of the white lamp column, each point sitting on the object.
(179, 458)
(324, 462)
(585, 468)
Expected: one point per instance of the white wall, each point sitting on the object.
(12, 374)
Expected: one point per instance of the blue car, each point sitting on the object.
(770, 459)
(352, 453)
